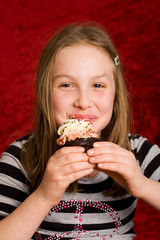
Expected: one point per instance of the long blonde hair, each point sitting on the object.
(38, 149)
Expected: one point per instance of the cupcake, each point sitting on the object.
(76, 132)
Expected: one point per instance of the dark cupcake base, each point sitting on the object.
(86, 143)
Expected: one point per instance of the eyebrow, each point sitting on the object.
(71, 77)
(62, 75)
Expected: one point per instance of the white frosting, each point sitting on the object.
(74, 124)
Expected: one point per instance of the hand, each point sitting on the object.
(67, 165)
(120, 164)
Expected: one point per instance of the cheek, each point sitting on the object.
(105, 106)
(105, 103)
(61, 104)
(58, 101)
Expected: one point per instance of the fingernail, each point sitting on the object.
(90, 152)
(81, 149)
(100, 165)
(92, 159)
(95, 144)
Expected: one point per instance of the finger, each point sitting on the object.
(69, 159)
(112, 167)
(107, 148)
(104, 143)
(109, 158)
(75, 157)
(126, 172)
(76, 167)
(66, 150)
(70, 154)
(77, 175)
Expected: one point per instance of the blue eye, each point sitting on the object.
(98, 85)
(66, 85)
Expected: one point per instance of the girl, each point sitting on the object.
(69, 194)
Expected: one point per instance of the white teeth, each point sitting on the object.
(73, 117)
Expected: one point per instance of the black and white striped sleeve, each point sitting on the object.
(147, 155)
(13, 187)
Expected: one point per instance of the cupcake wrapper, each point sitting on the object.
(86, 143)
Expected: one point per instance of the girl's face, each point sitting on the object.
(83, 85)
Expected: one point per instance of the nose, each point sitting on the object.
(83, 100)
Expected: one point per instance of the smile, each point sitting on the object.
(86, 117)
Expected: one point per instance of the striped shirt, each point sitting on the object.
(88, 214)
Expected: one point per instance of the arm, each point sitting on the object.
(122, 166)
(65, 166)
(151, 193)
(23, 222)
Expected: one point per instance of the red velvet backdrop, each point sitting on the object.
(25, 27)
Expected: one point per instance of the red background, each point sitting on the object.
(26, 26)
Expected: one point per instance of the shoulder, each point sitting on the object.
(14, 187)
(11, 158)
(147, 155)
(141, 145)
(15, 148)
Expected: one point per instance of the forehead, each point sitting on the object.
(83, 54)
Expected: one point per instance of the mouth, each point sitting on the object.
(86, 117)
